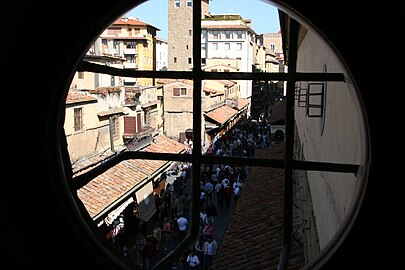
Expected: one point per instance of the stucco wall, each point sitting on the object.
(93, 138)
(342, 139)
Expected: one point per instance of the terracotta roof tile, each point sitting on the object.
(243, 102)
(253, 237)
(76, 97)
(278, 111)
(221, 114)
(106, 188)
(109, 186)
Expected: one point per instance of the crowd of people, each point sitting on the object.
(220, 188)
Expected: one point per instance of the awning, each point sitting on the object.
(111, 112)
(146, 202)
(210, 125)
(109, 219)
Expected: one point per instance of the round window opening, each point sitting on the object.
(170, 148)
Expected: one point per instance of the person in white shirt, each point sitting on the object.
(192, 260)
(209, 250)
(236, 193)
(183, 223)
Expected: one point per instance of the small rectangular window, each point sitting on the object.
(189, 3)
(78, 119)
(227, 46)
(177, 92)
(177, 3)
(215, 34)
(215, 46)
(175, 60)
(189, 60)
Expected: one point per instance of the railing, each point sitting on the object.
(140, 141)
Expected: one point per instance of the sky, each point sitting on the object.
(263, 15)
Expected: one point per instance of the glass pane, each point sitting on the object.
(240, 127)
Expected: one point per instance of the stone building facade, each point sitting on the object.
(180, 33)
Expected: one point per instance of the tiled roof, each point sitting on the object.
(221, 114)
(108, 187)
(242, 102)
(218, 66)
(278, 111)
(189, 82)
(227, 82)
(131, 21)
(76, 97)
(225, 26)
(253, 238)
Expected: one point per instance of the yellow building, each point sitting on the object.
(135, 41)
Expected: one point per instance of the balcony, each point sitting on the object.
(131, 51)
(140, 140)
(128, 65)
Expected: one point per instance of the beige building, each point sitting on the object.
(273, 42)
(88, 131)
(220, 105)
(133, 40)
(226, 38)
(117, 114)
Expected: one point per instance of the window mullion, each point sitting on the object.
(197, 84)
(289, 145)
(196, 154)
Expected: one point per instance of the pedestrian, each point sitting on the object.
(149, 253)
(198, 247)
(209, 189)
(157, 238)
(139, 246)
(192, 260)
(211, 211)
(209, 248)
(203, 219)
(186, 204)
(236, 193)
(175, 235)
(208, 231)
(217, 188)
(183, 224)
(166, 229)
(202, 198)
(228, 192)
(174, 204)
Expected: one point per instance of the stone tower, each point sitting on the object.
(180, 33)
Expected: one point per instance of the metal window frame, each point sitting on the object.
(197, 158)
